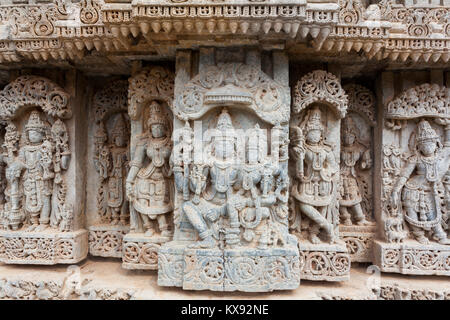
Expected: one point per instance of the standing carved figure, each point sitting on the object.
(352, 152)
(116, 201)
(148, 183)
(420, 184)
(36, 158)
(315, 169)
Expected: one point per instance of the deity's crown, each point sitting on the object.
(224, 121)
(425, 132)
(314, 120)
(119, 128)
(157, 115)
(349, 126)
(35, 122)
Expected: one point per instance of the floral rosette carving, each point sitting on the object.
(323, 87)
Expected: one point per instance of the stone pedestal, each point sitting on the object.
(46, 247)
(106, 240)
(359, 241)
(140, 252)
(412, 257)
(242, 269)
(329, 262)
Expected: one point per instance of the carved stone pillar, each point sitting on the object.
(319, 104)
(44, 195)
(231, 210)
(110, 142)
(414, 180)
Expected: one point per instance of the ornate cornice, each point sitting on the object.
(68, 30)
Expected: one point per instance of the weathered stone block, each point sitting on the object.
(106, 240)
(411, 257)
(359, 241)
(45, 247)
(329, 262)
(141, 252)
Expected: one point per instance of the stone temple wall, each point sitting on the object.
(238, 146)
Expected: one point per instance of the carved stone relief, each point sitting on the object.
(37, 219)
(414, 183)
(319, 104)
(231, 196)
(149, 182)
(111, 160)
(357, 223)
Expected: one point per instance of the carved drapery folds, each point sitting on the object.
(111, 160)
(37, 155)
(357, 225)
(149, 182)
(415, 188)
(315, 174)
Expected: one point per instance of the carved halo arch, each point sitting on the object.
(426, 100)
(236, 85)
(361, 101)
(323, 87)
(111, 99)
(152, 83)
(34, 91)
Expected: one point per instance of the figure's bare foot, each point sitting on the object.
(347, 222)
(115, 222)
(31, 227)
(41, 227)
(422, 239)
(314, 239)
(206, 243)
(149, 233)
(166, 233)
(444, 240)
(363, 222)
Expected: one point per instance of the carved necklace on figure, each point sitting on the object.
(318, 156)
(431, 167)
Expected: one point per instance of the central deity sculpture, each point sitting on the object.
(148, 185)
(352, 152)
(216, 202)
(420, 184)
(315, 169)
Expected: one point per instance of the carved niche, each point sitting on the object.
(231, 195)
(319, 104)
(357, 223)
(37, 215)
(111, 161)
(149, 182)
(415, 184)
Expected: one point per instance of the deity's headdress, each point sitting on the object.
(224, 121)
(120, 128)
(314, 120)
(349, 126)
(425, 132)
(35, 122)
(156, 115)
